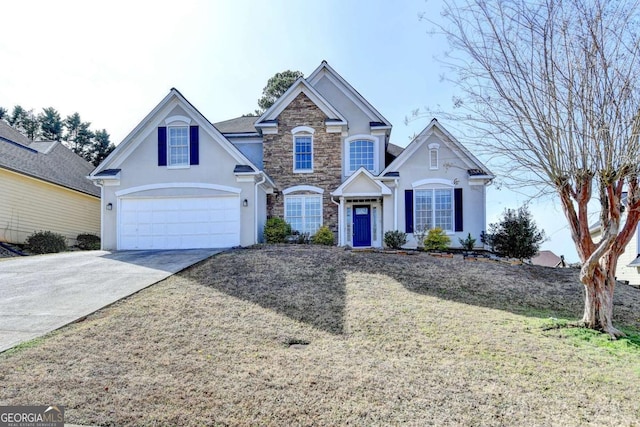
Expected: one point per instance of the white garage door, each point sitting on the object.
(179, 222)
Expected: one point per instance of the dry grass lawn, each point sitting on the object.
(301, 335)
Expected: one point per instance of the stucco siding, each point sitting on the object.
(452, 169)
(216, 166)
(29, 205)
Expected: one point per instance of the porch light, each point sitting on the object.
(245, 203)
(109, 206)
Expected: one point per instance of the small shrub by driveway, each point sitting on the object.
(308, 335)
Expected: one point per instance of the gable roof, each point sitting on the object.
(474, 166)
(324, 69)
(48, 161)
(362, 171)
(238, 125)
(298, 87)
(147, 125)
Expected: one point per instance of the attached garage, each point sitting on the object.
(179, 222)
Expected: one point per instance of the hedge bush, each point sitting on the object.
(395, 239)
(46, 242)
(88, 242)
(276, 230)
(323, 236)
(436, 240)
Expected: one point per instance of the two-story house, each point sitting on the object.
(320, 155)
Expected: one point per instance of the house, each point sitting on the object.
(548, 259)
(43, 187)
(628, 267)
(320, 155)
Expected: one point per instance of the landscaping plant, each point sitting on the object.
(436, 240)
(276, 230)
(467, 243)
(46, 242)
(395, 239)
(323, 236)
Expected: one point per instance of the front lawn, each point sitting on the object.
(304, 335)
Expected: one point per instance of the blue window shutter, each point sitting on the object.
(457, 202)
(408, 211)
(194, 151)
(162, 146)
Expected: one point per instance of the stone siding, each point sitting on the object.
(327, 158)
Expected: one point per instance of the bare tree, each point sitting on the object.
(553, 86)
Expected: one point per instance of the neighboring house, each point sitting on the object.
(548, 259)
(43, 187)
(319, 156)
(628, 268)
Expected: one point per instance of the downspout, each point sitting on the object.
(255, 209)
(395, 204)
(340, 220)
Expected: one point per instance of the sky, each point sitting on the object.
(114, 61)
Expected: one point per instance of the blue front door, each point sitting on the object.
(362, 225)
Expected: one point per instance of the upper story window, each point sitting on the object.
(361, 151)
(303, 149)
(178, 146)
(433, 155)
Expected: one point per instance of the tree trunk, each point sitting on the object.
(598, 301)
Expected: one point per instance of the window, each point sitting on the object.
(361, 153)
(304, 213)
(303, 153)
(434, 208)
(178, 146)
(433, 156)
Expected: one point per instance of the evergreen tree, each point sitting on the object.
(79, 136)
(276, 86)
(101, 147)
(50, 124)
(3, 113)
(516, 235)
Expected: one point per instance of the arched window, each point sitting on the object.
(361, 152)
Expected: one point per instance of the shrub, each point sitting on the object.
(46, 242)
(516, 235)
(323, 236)
(395, 239)
(436, 240)
(88, 242)
(276, 230)
(468, 243)
(419, 233)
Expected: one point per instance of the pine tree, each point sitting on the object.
(516, 235)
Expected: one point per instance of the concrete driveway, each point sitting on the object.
(39, 294)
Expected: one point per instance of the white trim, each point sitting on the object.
(303, 129)
(173, 119)
(384, 190)
(433, 208)
(310, 188)
(347, 90)
(149, 125)
(298, 87)
(347, 152)
(463, 154)
(186, 165)
(304, 214)
(177, 185)
(432, 181)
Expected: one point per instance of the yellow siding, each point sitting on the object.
(28, 205)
